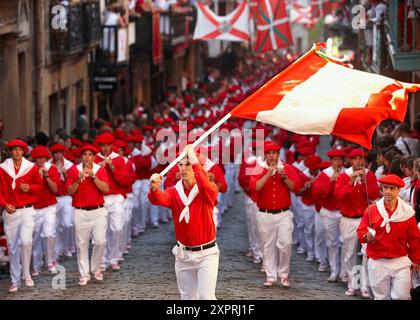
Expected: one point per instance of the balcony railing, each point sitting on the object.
(144, 33)
(403, 34)
(175, 28)
(373, 48)
(78, 27)
(114, 47)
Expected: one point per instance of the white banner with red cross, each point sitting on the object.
(233, 27)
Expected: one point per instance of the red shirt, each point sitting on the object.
(87, 194)
(274, 194)
(402, 240)
(323, 192)
(16, 197)
(244, 178)
(171, 179)
(200, 228)
(143, 166)
(62, 189)
(307, 197)
(45, 197)
(219, 177)
(132, 176)
(119, 178)
(352, 198)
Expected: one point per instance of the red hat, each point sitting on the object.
(17, 143)
(147, 128)
(58, 147)
(39, 152)
(120, 143)
(270, 146)
(306, 151)
(76, 142)
(77, 153)
(357, 153)
(312, 162)
(135, 132)
(88, 147)
(105, 138)
(324, 165)
(336, 153)
(392, 179)
(135, 138)
(347, 149)
(119, 134)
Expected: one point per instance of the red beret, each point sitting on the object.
(312, 162)
(347, 149)
(58, 147)
(105, 138)
(147, 128)
(77, 153)
(39, 152)
(270, 146)
(135, 132)
(336, 153)
(17, 143)
(88, 147)
(357, 153)
(135, 138)
(392, 179)
(324, 165)
(306, 151)
(120, 143)
(120, 134)
(76, 142)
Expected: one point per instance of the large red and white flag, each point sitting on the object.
(233, 27)
(273, 29)
(319, 95)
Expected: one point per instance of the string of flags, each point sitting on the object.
(272, 19)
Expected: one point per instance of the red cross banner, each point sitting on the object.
(300, 14)
(233, 27)
(273, 29)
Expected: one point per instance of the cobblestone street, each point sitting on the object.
(148, 271)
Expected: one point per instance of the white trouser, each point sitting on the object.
(298, 220)
(220, 197)
(348, 231)
(390, 278)
(136, 207)
(196, 273)
(331, 221)
(308, 217)
(115, 208)
(128, 211)
(148, 212)
(230, 178)
(90, 223)
(44, 236)
(65, 225)
(254, 238)
(216, 217)
(18, 228)
(276, 234)
(320, 244)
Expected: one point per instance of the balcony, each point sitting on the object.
(8, 16)
(78, 28)
(144, 33)
(175, 28)
(373, 51)
(114, 48)
(403, 35)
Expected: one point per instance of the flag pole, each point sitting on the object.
(195, 144)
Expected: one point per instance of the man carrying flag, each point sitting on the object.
(192, 200)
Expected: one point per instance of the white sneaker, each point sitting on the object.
(13, 288)
(332, 279)
(365, 294)
(269, 283)
(285, 281)
(350, 292)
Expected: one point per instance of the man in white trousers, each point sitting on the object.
(118, 179)
(390, 230)
(192, 200)
(350, 190)
(45, 213)
(19, 184)
(323, 192)
(273, 181)
(65, 211)
(87, 183)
